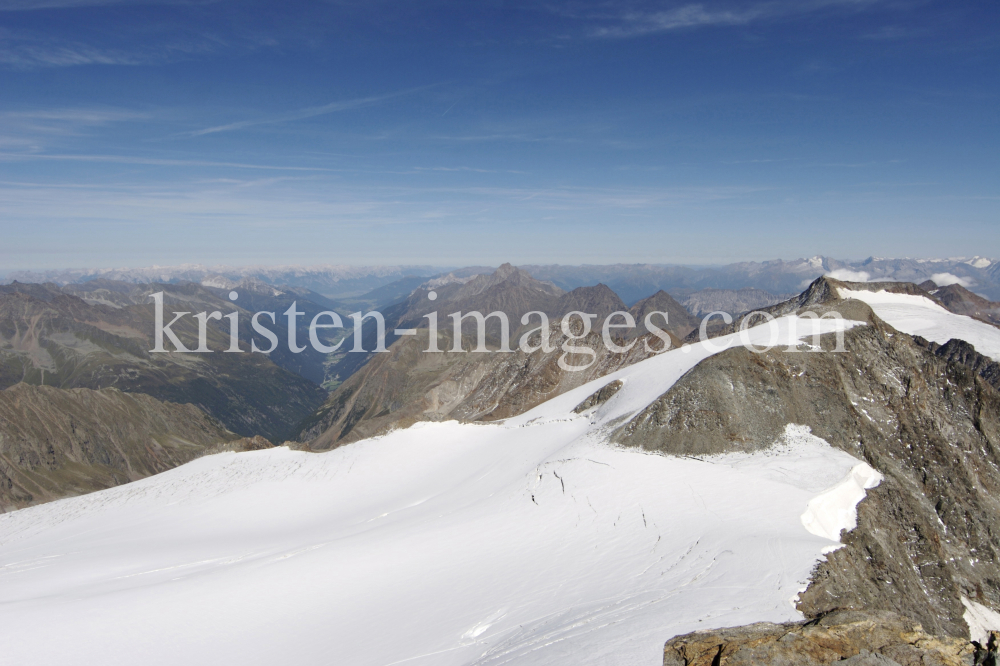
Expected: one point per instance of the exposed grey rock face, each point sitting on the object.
(599, 397)
(57, 443)
(240, 445)
(848, 638)
(930, 423)
(961, 352)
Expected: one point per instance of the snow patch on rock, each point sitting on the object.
(836, 509)
(981, 620)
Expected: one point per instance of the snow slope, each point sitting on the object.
(531, 541)
(919, 315)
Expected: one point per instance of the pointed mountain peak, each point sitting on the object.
(506, 276)
(599, 299)
(506, 270)
(680, 321)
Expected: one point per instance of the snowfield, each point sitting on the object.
(531, 541)
(919, 315)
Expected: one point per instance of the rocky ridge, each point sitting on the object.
(929, 422)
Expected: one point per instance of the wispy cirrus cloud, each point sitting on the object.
(65, 121)
(151, 161)
(309, 112)
(894, 32)
(31, 131)
(637, 22)
(32, 5)
(23, 49)
(517, 137)
(689, 16)
(468, 169)
(31, 56)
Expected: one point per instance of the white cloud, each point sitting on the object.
(32, 5)
(27, 49)
(44, 55)
(124, 159)
(311, 112)
(680, 17)
(945, 279)
(848, 275)
(695, 15)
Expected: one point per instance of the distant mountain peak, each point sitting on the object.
(506, 277)
(506, 270)
(257, 286)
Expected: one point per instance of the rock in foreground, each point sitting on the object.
(852, 638)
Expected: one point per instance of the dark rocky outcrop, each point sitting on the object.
(241, 445)
(822, 295)
(960, 351)
(599, 397)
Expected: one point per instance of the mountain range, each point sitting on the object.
(332, 280)
(512, 291)
(631, 282)
(53, 338)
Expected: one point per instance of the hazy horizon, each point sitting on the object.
(463, 265)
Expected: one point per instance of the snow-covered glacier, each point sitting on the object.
(530, 541)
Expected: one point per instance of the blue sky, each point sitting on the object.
(139, 133)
